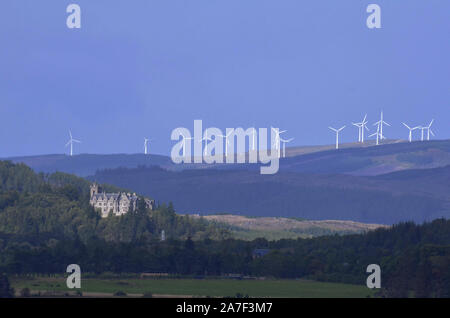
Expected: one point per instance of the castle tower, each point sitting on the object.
(94, 189)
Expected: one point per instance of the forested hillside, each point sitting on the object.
(383, 199)
(57, 206)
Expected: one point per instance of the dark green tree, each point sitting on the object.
(5, 288)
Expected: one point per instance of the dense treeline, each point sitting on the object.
(46, 223)
(57, 206)
(414, 259)
(5, 288)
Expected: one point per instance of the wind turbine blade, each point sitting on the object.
(332, 128)
(68, 143)
(431, 132)
(431, 123)
(406, 126)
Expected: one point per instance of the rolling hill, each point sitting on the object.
(352, 158)
(374, 160)
(396, 181)
(383, 199)
(87, 164)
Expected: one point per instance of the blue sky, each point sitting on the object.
(142, 68)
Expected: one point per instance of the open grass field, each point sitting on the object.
(168, 287)
(276, 228)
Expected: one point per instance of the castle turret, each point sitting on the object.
(94, 189)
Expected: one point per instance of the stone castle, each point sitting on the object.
(118, 203)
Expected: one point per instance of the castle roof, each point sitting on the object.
(107, 196)
(113, 196)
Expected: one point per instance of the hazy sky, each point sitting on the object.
(142, 68)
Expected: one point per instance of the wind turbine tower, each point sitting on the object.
(337, 134)
(422, 128)
(70, 142)
(285, 141)
(361, 126)
(227, 142)
(380, 123)
(146, 140)
(277, 139)
(184, 144)
(206, 138)
(378, 134)
(410, 131)
(429, 131)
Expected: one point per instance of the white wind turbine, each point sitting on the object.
(184, 143)
(70, 142)
(277, 139)
(378, 134)
(206, 138)
(410, 131)
(361, 126)
(429, 131)
(380, 123)
(422, 128)
(285, 141)
(337, 134)
(146, 140)
(227, 142)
